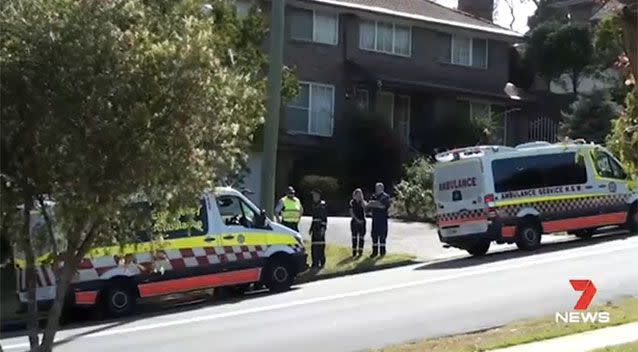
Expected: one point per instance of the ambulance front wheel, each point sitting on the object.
(278, 274)
(119, 298)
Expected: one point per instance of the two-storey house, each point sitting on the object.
(413, 62)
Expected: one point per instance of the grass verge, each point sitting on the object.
(625, 347)
(339, 262)
(517, 333)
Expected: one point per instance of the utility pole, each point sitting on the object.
(273, 102)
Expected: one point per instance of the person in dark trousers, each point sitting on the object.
(379, 203)
(289, 210)
(318, 230)
(357, 222)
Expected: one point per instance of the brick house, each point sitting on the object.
(412, 61)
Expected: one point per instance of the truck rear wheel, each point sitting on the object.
(278, 275)
(528, 236)
(119, 298)
(479, 248)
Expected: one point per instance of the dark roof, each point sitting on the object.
(423, 10)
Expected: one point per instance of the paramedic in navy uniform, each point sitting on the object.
(379, 203)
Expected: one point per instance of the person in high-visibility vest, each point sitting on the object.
(289, 210)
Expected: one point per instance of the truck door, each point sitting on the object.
(458, 190)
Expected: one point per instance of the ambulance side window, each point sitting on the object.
(606, 166)
(189, 223)
(235, 212)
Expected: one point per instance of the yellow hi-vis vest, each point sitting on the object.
(292, 209)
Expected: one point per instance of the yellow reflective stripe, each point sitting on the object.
(545, 199)
(281, 238)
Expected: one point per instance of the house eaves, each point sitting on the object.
(421, 17)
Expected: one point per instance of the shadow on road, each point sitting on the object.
(515, 253)
(145, 310)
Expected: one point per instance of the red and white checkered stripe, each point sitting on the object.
(147, 262)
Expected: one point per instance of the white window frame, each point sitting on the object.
(314, 27)
(376, 35)
(471, 60)
(309, 109)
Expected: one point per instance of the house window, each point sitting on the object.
(385, 37)
(385, 106)
(396, 112)
(242, 7)
(496, 113)
(467, 51)
(362, 99)
(315, 26)
(311, 111)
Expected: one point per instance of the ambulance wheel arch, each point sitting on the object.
(119, 296)
(632, 218)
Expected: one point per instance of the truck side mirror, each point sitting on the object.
(260, 220)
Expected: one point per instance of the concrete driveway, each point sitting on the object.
(416, 238)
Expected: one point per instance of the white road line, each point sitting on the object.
(456, 276)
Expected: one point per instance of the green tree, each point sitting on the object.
(546, 13)
(608, 41)
(623, 138)
(589, 117)
(104, 102)
(557, 49)
(413, 195)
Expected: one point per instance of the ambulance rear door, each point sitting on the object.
(458, 193)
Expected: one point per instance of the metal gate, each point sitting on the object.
(543, 129)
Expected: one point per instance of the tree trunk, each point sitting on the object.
(62, 284)
(629, 18)
(30, 272)
(74, 253)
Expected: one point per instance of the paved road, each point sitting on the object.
(380, 308)
(416, 238)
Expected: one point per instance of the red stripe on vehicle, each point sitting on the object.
(85, 264)
(585, 222)
(199, 282)
(85, 297)
(508, 231)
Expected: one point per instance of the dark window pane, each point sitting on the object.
(479, 53)
(537, 171)
(301, 24)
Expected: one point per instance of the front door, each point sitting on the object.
(244, 244)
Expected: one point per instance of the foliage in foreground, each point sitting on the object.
(106, 102)
(623, 137)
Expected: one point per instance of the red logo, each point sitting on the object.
(589, 291)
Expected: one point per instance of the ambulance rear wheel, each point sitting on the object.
(479, 248)
(119, 299)
(278, 275)
(528, 236)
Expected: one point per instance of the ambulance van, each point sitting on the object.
(228, 241)
(515, 195)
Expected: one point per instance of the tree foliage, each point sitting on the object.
(413, 195)
(589, 117)
(623, 138)
(106, 102)
(556, 49)
(546, 13)
(608, 41)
